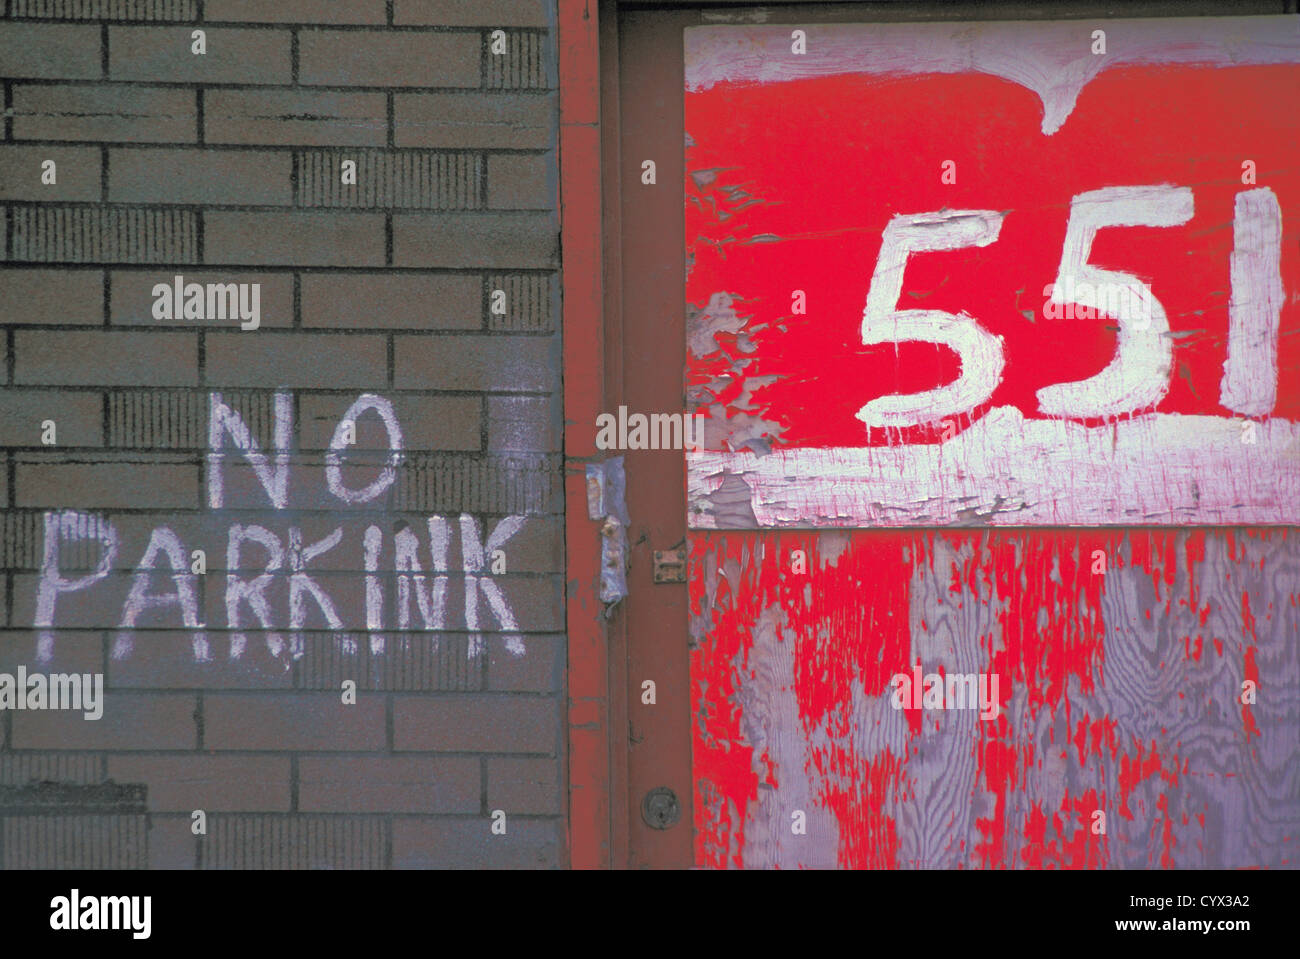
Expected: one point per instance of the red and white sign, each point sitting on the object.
(1030, 274)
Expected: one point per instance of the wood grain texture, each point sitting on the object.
(1120, 692)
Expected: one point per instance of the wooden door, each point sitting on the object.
(940, 614)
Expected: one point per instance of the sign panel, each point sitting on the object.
(1003, 273)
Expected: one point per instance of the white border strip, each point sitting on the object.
(1157, 469)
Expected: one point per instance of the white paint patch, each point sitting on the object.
(979, 350)
(1138, 377)
(1255, 311)
(1053, 59)
(1160, 468)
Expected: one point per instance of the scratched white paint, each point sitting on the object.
(979, 350)
(1007, 470)
(1255, 310)
(1053, 60)
(1138, 377)
(222, 420)
(334, 459)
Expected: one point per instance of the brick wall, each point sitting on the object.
(429, 281)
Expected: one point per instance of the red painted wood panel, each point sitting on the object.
(1140, 687)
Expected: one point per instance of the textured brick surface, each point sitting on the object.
(473, 120)
(213, 783)
(380, 175)
(523, 785)
(521, 182)
(292, 721)
(78, 418)
(296, 11)
(476, 363)
(427, 843)
(485, 13)
(480, 239)
(76, 171)
(130, 722)
(212, 177)
(307, 360)
(402, 784)
(383, 59)
(111, 358)
(49, 51)
(33, 297)
(386, 301)
(164, 54)
(295, 117)
(134, 114)
(294, 239)
(480, 723)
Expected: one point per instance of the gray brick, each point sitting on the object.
(162, 659)
(75, 842)
(106, 9)
(479, 13)
(521, 182)
(127, 114)
(105, 484)
(103, 358)
(385, 59)
(57, 234)
(539, 670)
(296, 842)
(22, 769)
(391, 180)
(290, 239)
(530, 302)
(207, 176)
(130, 722)
(295, 117)
(476, 722)
(473, 121)
(467, 240)
(523, 65)
(400, 784)
(442, 482)
(163, 54)
(470, 362)
(417, 662)
(32, 297)
(296, 360)
(49, 51)
(132, 297)
(428, 843)
(526, 424)
(299, 721)
(391, 301)
(525, 786)
(427, 422)
(171, 843)
(297, 11)
(76, 169)
(78, 417)
(73, 651)
(211, 783)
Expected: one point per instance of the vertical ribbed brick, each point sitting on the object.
(295, 842)
(528, 302)
(74, 842)
(421, 180)
(105, 9)
(104, 235)
(522, 66)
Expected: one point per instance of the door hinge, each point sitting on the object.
(670, 565)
